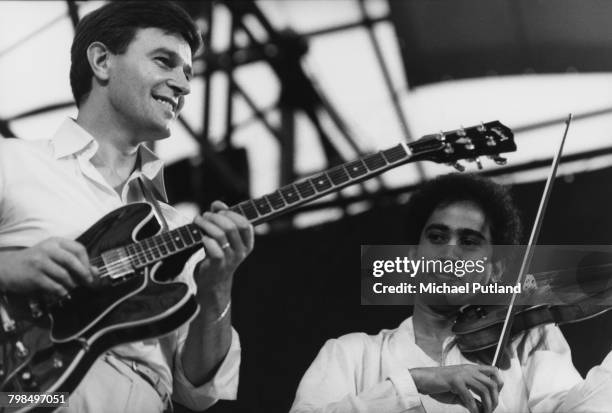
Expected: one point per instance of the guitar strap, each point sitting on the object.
(147, 191)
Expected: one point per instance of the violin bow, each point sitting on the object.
(535, 232)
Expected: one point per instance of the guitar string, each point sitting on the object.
(134, 258)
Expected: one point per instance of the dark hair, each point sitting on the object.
(115, 25)
(494, 199)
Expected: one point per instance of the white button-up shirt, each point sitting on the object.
(50, 188)
(362, 373)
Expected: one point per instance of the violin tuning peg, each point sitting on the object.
(481, 127)
(457, 166)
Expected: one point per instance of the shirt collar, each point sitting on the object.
(72, 139)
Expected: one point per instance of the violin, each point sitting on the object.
(480, 329)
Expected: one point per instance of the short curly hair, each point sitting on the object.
(494, 199)
(115, 25)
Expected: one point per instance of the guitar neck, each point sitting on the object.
(291, 196)
(269, 206)
(488, 139)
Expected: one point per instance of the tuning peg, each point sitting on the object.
(469, 145)
(499, 160)
(491, 141)
(457, 166)
(481, 127)
(477, 160)
(461, 131)
(448, 149)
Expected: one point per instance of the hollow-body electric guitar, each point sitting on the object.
(49, 348)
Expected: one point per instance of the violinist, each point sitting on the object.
(417, 367)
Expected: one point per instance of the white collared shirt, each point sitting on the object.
(370, 374)
(50, 188)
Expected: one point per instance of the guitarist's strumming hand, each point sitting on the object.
(54, 266)
(229, 240)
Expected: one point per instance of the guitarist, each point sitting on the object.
(131, 66)
(417, 367)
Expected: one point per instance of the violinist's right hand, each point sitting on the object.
(54, 266)
(485, 381)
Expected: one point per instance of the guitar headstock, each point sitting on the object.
(487, 139)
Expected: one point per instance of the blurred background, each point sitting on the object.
(284, 89)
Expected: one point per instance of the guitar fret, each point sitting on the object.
(276, 200)
(131, 251)
(395, 154)
(147, 250)
(262, 206)
(154, 250)
(236, 209)
(338, 175)
(168, 241)
(249, 210)
(290, 194)
(186, 236)
(375, 161)
(305, 189)
(176, 237)
(356, 169)
(321, 182)
(155, 247)
(163, 249)
(195, 233)
(138, 254)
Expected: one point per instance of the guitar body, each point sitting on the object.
(62, 345)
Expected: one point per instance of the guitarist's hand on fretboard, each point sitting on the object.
(228, 241)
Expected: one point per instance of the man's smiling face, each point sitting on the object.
(149, 81)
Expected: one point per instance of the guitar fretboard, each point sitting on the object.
(121, 261)
(466, 143)
(291, 196)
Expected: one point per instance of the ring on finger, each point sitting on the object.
(225, 245)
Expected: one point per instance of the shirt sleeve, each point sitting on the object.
(554, 383)
(334, 383)
(224, 384)
(594, 395)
